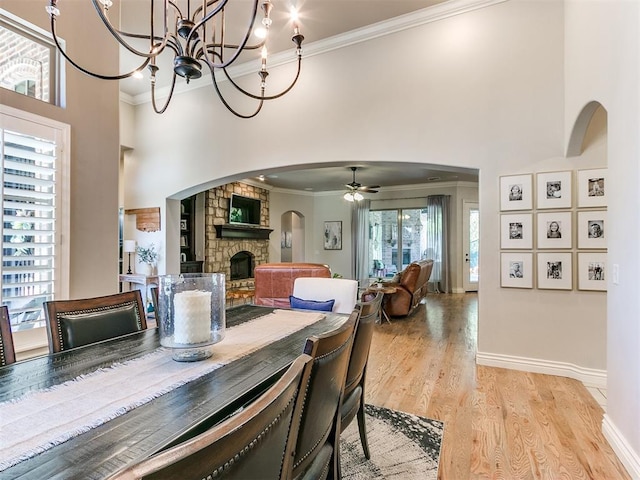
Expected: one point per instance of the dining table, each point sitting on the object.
(162, 420)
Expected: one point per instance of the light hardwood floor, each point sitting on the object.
(498, 424)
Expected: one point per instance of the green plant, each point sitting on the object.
(147, 255)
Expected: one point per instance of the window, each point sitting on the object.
(28, 59)
(34, 170)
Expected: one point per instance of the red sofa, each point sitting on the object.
(274, 281)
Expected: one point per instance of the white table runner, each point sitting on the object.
(41, 420)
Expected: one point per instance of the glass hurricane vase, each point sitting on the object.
(191, 314)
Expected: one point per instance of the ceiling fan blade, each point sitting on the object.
(369, 187)
(368, 190)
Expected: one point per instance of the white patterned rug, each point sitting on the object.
(402, 446)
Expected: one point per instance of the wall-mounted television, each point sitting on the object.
(244, 210)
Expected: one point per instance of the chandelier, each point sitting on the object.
(197, 37)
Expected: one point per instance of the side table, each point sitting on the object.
(142, 280)
(385, 290)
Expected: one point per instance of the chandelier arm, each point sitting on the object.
(121, 76)
(153, 95)
(239, 48)
(174, 5)
(118, 35)
(263, 97)
(209, 15)
(226, 104)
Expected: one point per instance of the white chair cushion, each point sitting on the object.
(342, 290)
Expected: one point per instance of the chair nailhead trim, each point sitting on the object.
(247, 448)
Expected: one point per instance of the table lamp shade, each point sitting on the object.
(129, 246)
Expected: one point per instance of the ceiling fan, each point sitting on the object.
(353, 194)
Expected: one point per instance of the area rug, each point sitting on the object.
(402, 446)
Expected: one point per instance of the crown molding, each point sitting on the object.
(427, 15)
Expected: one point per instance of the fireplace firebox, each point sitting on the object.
(242, 264)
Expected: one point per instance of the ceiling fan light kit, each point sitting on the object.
(196, 35)
(353, 194)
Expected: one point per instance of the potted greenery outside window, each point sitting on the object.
(147, 257)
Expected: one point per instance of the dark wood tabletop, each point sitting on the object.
(160, 423)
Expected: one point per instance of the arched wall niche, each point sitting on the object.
(589, 128)
(292, 241)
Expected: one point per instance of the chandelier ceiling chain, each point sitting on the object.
(196, 37)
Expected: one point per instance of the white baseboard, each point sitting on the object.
(458, 290)
(588, 376)
(621, 447)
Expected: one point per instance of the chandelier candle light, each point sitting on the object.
(196, 37)
(191, 314)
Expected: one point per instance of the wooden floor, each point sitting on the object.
(499, 424)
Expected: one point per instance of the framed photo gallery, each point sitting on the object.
(544, 218)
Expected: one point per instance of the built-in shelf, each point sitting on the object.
(229, 230)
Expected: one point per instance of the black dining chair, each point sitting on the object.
(7, 352)
(353, 399)
(256, 443)
(74, 323)
(318, 446)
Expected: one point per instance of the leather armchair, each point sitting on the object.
(274, 281)
(411, 288)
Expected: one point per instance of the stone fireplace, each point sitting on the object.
(245, 252)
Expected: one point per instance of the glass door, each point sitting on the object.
(397, 238)
(471, 232)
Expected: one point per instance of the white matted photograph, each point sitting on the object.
(516, 192)
(592, 229)
(555, 271)
(553, 190)
(516, 231)
(592, 188)
(554, 230)
(592, 271)
(516, 270)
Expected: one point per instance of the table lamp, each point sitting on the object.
(129, 246)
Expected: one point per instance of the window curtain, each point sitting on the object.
(438, 214)
(360, 241)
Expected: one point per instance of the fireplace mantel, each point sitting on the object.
(229, 230)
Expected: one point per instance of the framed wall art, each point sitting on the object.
(553, 190)
(333, 235)
(516, 270)
(554, 230)
(516, 231)
(592, 271)
(516, 192)
(555, 271)
(592, 229)
(592, 188)
(183, 224)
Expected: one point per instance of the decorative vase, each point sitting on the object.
(191, 314)
(146, 269)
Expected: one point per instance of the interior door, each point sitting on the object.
(471, 232)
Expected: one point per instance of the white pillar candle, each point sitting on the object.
(192, 317)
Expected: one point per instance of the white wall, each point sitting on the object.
(602, 64)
